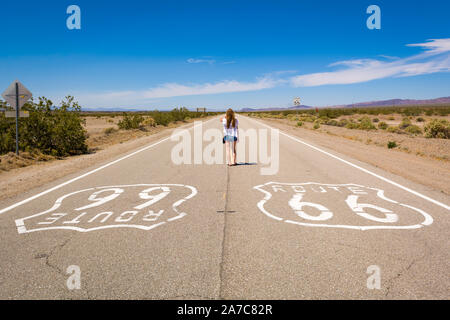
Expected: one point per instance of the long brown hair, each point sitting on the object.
(231, 118)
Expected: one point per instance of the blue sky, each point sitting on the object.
(164, 54)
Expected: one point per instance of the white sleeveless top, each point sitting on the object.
(230, 131)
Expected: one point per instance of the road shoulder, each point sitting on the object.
(429, 172)
(20, 180)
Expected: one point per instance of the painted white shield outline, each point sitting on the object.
(21, 228)
(428, 220)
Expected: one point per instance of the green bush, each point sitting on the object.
(162, 118)
(438, 129)
(375, 120)
(130, 121)
(299, 124)
(392, 144)
(316, 125)
(56, 131)
(383, 125)
(420, 119)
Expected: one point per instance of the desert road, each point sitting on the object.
(323, 226)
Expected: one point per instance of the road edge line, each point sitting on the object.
(17, 204)
(358, 167)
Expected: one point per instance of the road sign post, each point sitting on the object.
(17, 95)
(17, 118)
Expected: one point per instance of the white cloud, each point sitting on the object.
(173, 89)
(436, 58)
(192, 60)
(169, 90)
(434, 45)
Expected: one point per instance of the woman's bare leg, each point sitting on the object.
(234, 152)
(227, 148)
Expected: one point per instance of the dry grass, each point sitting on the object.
(437, 149)
(11, 160)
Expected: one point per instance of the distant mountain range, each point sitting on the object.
(395, 102)
(381, 103)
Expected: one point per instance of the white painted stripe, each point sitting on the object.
(90, 172)
(360, 168)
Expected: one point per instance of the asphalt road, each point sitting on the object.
(144, 227)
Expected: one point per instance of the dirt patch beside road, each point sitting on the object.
(425, 161)
(26, 172)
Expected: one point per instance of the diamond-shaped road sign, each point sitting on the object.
(10, 94)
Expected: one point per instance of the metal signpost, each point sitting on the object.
(16, 95)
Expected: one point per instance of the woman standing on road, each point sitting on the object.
(231, 136)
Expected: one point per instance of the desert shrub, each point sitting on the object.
(420, 119)
(413, 129)
(383, 125)
(375, 120)
(394, 129)
(316, 125)
(149, 121)
(130, 121)
(429, 112)
(392, 144)
(406, 122)
(179, 114)
(366, 124)
(391, 118)
(438, 128)
(310, 119)
(332, 122)
(52, 130)
(352, 125)
(324, 119)
(162, 118)
(299, 124)
(109, 130)
(342, 123)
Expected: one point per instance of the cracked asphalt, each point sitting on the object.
(147, 228)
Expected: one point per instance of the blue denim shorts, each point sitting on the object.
(230, 138)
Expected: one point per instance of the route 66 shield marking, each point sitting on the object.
(349, 206)
(140, 206)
